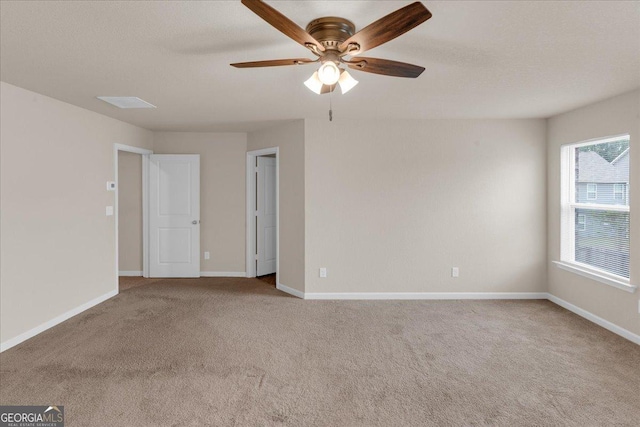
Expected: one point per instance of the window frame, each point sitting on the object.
(594, 191)
(569, 221)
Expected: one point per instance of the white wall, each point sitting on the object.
(58, 247)
(290, 137)
(615, 116)
(222, 193)
(391, 206)
(129, 212)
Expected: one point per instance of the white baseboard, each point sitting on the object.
(130, 273)
(423, 295)
(596, 319)
(56, 320)
(290, 291)
(223, 274)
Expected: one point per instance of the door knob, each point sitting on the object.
(194, 222)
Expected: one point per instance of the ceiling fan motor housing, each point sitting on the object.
(331, 31)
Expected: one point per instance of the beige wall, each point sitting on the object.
(55, 161)
(290, 138)
(222, 193)
(129, 211)
(391, 206)
(385, 206)
(614, 116)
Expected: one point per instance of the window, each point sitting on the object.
(582, 222)
(618, 191)
(603, 247)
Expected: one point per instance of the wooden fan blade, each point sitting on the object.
(385, 67)
(273, 63)
(281, 23)
(388, 28)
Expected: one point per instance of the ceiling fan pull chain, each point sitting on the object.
(330, 108)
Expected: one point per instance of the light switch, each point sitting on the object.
(109, 210)
(111, 186)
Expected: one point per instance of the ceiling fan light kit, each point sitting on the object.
(329, 73)
(346, 83)
(335, 42)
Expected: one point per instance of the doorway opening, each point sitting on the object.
(263, 249)
(131, 204)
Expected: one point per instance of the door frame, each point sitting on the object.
(145, 205)
(250, 260)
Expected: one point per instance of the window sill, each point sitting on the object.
(574, 268)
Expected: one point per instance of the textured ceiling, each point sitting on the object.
(483, 59)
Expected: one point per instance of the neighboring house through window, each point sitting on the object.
(595, 185)
(618, 191)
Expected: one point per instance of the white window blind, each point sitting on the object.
(595, 205)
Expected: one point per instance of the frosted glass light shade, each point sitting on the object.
(346, 82)
(329, 73)
(314, 83)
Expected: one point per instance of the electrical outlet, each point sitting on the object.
(207, 255)
(455, 272)
(323, 272)
(109, 211)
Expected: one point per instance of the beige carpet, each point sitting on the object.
(125, 283)
(237, 352)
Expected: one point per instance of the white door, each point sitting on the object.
(174, 215)
(266, 216)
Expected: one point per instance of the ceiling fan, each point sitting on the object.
(334, 42)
